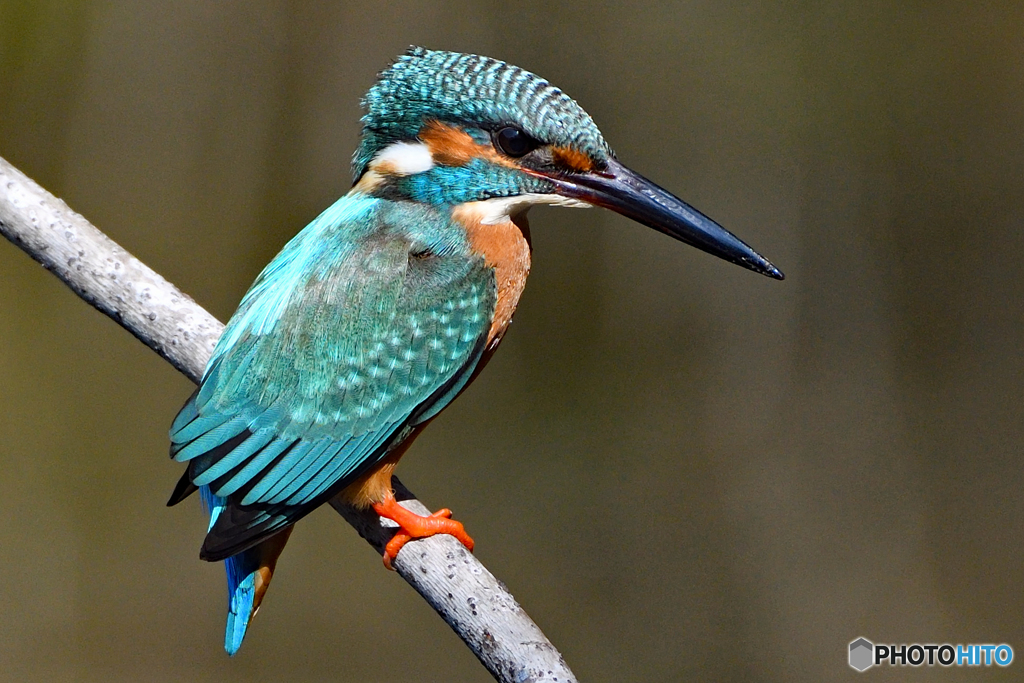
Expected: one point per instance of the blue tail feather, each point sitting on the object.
(241, 572)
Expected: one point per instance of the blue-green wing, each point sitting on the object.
(345, 342)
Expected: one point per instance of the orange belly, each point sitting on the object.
(375, 484)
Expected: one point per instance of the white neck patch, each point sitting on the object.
(403, 158)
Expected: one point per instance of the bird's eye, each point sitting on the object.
(514, 142)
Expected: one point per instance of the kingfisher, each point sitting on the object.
(379, 313)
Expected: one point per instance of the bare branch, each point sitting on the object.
(476, 605)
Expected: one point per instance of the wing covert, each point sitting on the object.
(338, 346)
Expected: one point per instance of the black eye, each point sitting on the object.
(514, 142)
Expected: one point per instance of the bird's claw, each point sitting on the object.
(412, 526)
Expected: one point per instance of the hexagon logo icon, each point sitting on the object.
(862, 653)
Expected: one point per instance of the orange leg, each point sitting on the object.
(413, 526)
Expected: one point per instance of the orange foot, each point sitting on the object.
(413, 526)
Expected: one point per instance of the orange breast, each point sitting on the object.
(506, 248)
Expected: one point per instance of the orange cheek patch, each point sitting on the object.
(571, 158)
(451, 146)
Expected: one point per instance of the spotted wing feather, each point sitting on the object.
(353, 335)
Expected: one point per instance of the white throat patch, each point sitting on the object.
(499, 210)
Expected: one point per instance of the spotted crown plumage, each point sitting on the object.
(449, 86)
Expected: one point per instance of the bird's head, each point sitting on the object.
(446, 128)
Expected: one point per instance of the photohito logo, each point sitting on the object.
(864, 654)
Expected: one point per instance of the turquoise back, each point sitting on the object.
(366, 324)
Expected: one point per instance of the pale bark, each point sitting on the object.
(476, 605)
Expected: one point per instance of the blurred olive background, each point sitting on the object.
(681, 469)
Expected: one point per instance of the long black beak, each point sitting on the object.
(629, 193)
